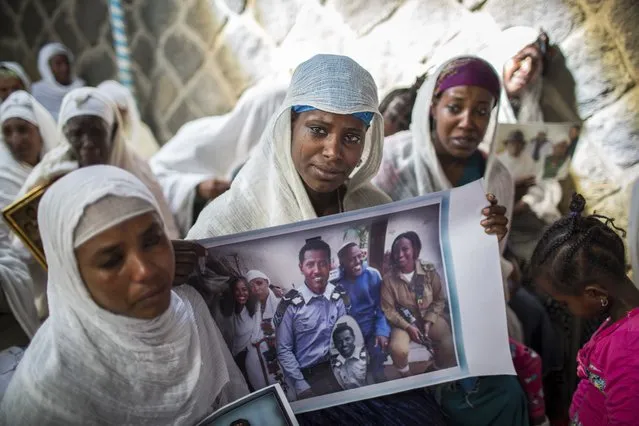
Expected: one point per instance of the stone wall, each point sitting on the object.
(194, 57)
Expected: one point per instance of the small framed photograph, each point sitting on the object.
(265, 407)
(22, 218)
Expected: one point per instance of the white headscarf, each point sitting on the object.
(17, 69)
(87, 365)
(14, 276)
(411, 155)
(506, 45)
(137, 133)
(212, 147)
(48, 91)
(90, 101)
(268, 191)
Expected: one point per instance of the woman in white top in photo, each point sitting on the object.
(57, 73)
(140, 137)
(28, 133)
(120, 346)
(316, 158)
(260, 373)
(12, 78)
(197, 164)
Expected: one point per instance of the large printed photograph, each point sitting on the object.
(338, 311)
(537, 150)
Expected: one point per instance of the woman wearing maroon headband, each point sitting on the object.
(450, 119)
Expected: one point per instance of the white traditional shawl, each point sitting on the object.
(212, 147)
(410, 156)
(61, 160)
(19, 71)
(137, 133)
(48, 91)
(268, 191)
(14, 277)
(88, 366)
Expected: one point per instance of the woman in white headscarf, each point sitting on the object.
(121, 346)
(12, 79)
(316, 158)
(92, 130)
(136, 131)
(262, 341)
(196, 165)
(56, 67)
(28, 133)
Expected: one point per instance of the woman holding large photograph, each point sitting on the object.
(317, 158)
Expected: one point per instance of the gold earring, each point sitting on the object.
(604, 302)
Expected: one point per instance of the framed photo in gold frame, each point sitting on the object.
(22, 218)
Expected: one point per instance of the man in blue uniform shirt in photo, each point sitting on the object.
(304, 319)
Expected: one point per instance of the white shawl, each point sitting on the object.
(89, 366)
(48, 91)
(212, 147)
(19, 71)
(411, 156)
(268, 191)
(14, 276)
(61, 160)
(136, 132)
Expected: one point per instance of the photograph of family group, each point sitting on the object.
(537, 150)
(347, 308)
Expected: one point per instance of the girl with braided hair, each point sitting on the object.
(580, 262)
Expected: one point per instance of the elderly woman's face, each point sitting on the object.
(90, 138)
(128, 269)
(522, 70)
(241, 292)
(8, 85)
(461, 116)
(326, 148)
(23, 140)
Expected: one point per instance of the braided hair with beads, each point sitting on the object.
(578, 249)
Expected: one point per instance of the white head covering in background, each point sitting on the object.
(90, 101)
(137, 133)
(17, 69)
(212, 147)
(268, 190)
(506, 45)
(88, 365)
(410, 156)
(48, 91)
(14, 277)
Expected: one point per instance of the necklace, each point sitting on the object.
(340, 207)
